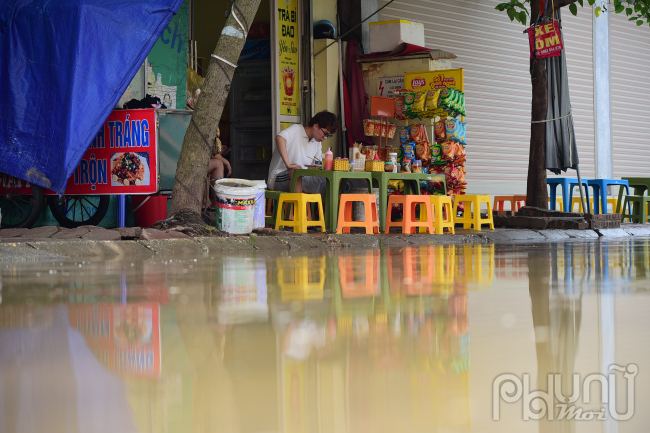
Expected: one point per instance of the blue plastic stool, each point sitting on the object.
(567, 184)
(600, 192)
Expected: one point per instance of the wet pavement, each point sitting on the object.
(432, 338)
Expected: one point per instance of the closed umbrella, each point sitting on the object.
(561, 147)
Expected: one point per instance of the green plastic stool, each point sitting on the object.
(269, 220)
(639, 208)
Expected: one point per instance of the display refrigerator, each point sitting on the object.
(251, 131)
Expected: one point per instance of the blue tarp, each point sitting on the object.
(63, 66)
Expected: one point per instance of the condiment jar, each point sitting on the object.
(416, 166)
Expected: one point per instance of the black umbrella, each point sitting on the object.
(561, 147)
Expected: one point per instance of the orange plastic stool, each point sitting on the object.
(371, 222)
(408, 223)
(515, 201)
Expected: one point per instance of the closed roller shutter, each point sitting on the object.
(630, 54)
(494, 54)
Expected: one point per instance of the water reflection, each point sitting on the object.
(346, 341)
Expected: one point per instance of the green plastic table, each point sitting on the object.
(334, 179)
(640, 185)
(411, 186)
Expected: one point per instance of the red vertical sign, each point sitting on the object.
(545, 41)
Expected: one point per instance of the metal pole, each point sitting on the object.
(121, 211)
(343, 133)
(585, 209)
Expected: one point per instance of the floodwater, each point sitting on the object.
(418, 339)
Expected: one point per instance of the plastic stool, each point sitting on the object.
(640, 203)
(520, 199)
(371, 222)
(272, 198)
(579, 202)
(558, 202)
(438, 202)
(408, 223)
(300, 221)
(467, 219)
(500, 199)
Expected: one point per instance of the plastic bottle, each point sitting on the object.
(351, 166)
(329, 160)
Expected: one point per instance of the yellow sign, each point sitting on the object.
(427, 80)
(285, 125)
(289, 43)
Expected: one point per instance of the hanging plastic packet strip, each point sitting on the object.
(404, 135)
(432, 100)
(399, 108)
(418, 102)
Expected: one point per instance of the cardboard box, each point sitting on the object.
(386, 35)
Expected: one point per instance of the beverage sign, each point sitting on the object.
(386, 86)
(122, 159)
(427, 80)
(545, 41)
(288, 39)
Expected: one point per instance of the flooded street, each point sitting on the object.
(417, 339)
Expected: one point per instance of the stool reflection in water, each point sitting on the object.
(301, 278)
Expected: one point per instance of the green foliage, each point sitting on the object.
(636, 10)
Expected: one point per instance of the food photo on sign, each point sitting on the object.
(130, 168)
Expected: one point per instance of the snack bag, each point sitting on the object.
(418, 132)
(409, 151)
(436, 152)
(377, 126)
(404, 135)
(448, 151)
(409, 98)
(399, 108)
(445, 94)
(432, 100)
(440, 131)
(463, 130)
(423, 152)
(368, 127)
(453, 129)
(419, 101)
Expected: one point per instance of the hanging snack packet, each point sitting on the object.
(432, 100)
(448, 151)
(445, 94)
(440, 131)
(404, 134)
(436, 152)
(452, 129)
(419, 101)
(418, 132)
(391, 130)
(463, 130)
(409, 98)
(368, 127)
(423, 152)
(409, 151)
(399, 108)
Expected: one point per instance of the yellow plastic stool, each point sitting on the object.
(579, 202)
(300, 221)
(558, 203)
(438, 203)
(474, 201)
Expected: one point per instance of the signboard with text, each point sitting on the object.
(122, 159)
(386, 86)
(427, 80)
(545, 41)
(288, 48)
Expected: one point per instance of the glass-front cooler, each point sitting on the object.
(251, 132)
(251, 150)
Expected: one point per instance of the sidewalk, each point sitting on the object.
(50, 242)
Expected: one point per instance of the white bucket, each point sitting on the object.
(235, 205)
(259, 214)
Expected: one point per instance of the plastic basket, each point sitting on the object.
(375, 165)
(341, 165)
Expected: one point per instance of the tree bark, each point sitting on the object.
(192, 168)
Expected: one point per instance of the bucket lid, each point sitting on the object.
(236, 187)
(260, 183)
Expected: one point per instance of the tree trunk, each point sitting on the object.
(192, 168)
(536, 192)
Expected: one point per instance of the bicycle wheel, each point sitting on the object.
(20, 210)
(72, 211)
